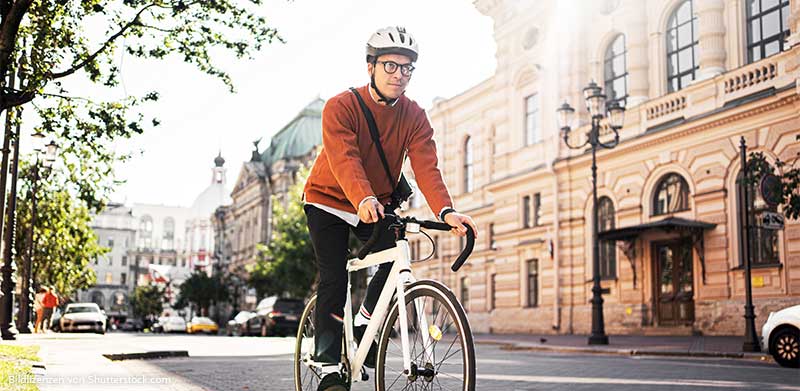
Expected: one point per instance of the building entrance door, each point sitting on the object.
(674, 283)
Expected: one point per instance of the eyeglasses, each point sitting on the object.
(391, 67)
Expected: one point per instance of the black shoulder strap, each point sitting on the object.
(376, 138)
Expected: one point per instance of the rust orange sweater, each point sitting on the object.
(349, 167)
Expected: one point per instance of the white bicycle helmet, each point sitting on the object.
(392, 40)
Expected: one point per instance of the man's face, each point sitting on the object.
(392, 85)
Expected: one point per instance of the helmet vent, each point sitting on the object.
(391, 37)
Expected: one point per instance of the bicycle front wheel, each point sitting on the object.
(306, 377)
(448, 363)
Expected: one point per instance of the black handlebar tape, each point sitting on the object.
(435, 225)
(465, 253)
(380, 229)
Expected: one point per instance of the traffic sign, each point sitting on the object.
(770, 187)
(771, 220)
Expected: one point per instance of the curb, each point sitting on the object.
(506, 345)
(146, 355)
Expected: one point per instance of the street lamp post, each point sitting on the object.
(595, 104)
(48, 153)
(7, 329)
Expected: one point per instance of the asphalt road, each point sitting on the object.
(253, 363)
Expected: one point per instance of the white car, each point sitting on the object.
(173, 324)
(83, 317)
(780, 336)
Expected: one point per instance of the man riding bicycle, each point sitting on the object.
(348, 188)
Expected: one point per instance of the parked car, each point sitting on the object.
(276, 316)
(235, 326)
(201, 324)
(172, 324)
(780, 336)
(131, 324)
(83, 317)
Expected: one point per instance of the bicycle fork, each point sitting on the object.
(422, 321)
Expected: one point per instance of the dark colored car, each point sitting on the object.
(275, 316)
(132, 325)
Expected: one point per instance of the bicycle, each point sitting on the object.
(409, 334)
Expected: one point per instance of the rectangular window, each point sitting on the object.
(110, 242)
(123, 278)
(183, 262)
(537, 204)
(532, 131)
(767, 28)
(526, 211)
(493, 283)
(533, 282)
(109, 278)
(465, 293)
(110, 261)
(124, 260)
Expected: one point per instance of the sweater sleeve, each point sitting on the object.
(425, 163)
(340, 140)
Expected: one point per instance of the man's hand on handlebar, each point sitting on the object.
(457, 221)
(370, 211)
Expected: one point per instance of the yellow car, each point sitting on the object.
(201, 324)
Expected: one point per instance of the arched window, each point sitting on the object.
(469, 181)
(616, 71)
(682, 47)
(763, 243)
(672, 195)
(767, 27)
(608, 252)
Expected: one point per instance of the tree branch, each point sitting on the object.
(9, 29)
(75, 68)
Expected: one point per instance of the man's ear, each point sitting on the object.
(370, 68)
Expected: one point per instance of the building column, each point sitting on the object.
(636, 40)
(711, 23)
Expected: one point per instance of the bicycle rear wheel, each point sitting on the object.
(306, 377)
(451, 365)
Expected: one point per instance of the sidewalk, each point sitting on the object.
(634, 345)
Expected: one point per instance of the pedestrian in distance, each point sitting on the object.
(50, 302)
(38, 307)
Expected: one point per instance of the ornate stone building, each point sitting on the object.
(267, 174)
(695, 77)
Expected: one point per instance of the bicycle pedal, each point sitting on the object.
(364, 375)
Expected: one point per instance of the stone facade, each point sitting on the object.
(534, 275)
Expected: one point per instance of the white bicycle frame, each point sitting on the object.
(399, 276)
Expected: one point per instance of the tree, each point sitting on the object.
(64, 242)
(286, 265)
(202, 291)
(47, 44)
(147, 301)
(788, 172)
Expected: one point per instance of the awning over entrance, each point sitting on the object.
(686, 228)
(670, 224)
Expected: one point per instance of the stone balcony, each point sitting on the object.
(729, 89)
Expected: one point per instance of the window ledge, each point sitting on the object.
(762, 266)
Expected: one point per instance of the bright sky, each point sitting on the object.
(323, 55)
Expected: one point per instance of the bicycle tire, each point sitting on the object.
(305, 331)
(447, 300)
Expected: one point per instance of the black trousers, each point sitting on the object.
(329, 237)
